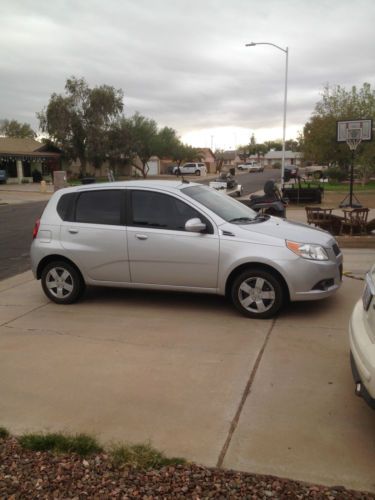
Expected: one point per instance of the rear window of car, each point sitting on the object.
(65, 206)
(99, 207)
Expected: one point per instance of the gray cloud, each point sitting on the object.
(183, 62)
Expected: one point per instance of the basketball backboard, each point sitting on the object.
(357, 130)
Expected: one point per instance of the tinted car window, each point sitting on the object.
(65, 206)
(99, 207)
(161, 211)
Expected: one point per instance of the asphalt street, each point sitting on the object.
(253, 182)
(17, 223)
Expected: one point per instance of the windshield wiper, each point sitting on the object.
(241, 219)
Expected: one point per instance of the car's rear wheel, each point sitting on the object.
(257, 293)
(62, 283)
(197, 172)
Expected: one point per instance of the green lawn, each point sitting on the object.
(341, 186)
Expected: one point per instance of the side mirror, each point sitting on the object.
(195, 226)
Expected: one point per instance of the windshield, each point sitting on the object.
(226, 207)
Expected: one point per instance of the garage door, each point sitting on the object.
(153, 166)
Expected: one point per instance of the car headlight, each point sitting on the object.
(307, 250)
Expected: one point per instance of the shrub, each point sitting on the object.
(276, 164)
(82, 444)
(336, 174)
(142, 456)
(3, 433)
(37, 176)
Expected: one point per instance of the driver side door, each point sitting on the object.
(161, 251)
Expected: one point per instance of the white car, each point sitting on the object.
(250, 167)
(362, 342)
(191, 169)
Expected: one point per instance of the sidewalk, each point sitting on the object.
(11, 194)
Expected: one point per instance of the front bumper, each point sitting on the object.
(360, 388)
(362, 356)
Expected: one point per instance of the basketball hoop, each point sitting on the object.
(353, 138)
(353, 132)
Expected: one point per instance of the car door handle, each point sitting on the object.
(72, 230)
(141, 236)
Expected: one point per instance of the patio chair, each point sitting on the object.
(355, 220)
(320, 217)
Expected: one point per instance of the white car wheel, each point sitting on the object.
(61, 282)
(257, 293)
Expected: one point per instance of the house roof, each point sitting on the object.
(29, 147)
(277, 155)
(207, 151)
(228, 155)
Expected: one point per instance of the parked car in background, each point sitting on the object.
(315, 171)
(362, 342)
(3, 176)
(191, 169)
(179, 236)
(290, 172)
(251, 167)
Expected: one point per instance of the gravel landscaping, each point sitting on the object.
(35, 474)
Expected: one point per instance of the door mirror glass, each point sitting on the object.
(195, 225)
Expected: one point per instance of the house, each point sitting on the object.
(21, 157)
(291, 158)
(208, 157)
(227, 159)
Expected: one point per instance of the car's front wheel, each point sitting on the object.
(62, 283)
(257, 293)
(197, 172)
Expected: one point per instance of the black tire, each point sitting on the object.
(261, 290)
(69, 283)
(197, 172)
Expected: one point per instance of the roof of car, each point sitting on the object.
(172, 185)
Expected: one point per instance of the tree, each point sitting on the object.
(79, 121)
(319, 134)
(13, 128)
(141, 139)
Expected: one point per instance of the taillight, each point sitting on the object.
(36, 228)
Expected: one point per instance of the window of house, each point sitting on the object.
(99, 207)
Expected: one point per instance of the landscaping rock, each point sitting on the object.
(28, 474)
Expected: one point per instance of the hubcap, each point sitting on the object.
(59, 282)
(256, 295)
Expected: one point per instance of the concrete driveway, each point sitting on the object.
(193, 376)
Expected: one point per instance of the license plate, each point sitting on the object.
(368, 293)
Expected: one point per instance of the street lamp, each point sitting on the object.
(286, 52)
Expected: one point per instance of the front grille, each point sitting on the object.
(336, 249)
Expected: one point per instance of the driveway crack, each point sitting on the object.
(234, 423)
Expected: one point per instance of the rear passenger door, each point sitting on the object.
(95, 235)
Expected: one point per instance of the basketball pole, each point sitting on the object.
(351, 194)
(351, 180)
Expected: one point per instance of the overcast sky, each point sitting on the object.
(184, 62)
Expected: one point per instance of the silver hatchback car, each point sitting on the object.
(180, 236)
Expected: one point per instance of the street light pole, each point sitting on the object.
(286, 52)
